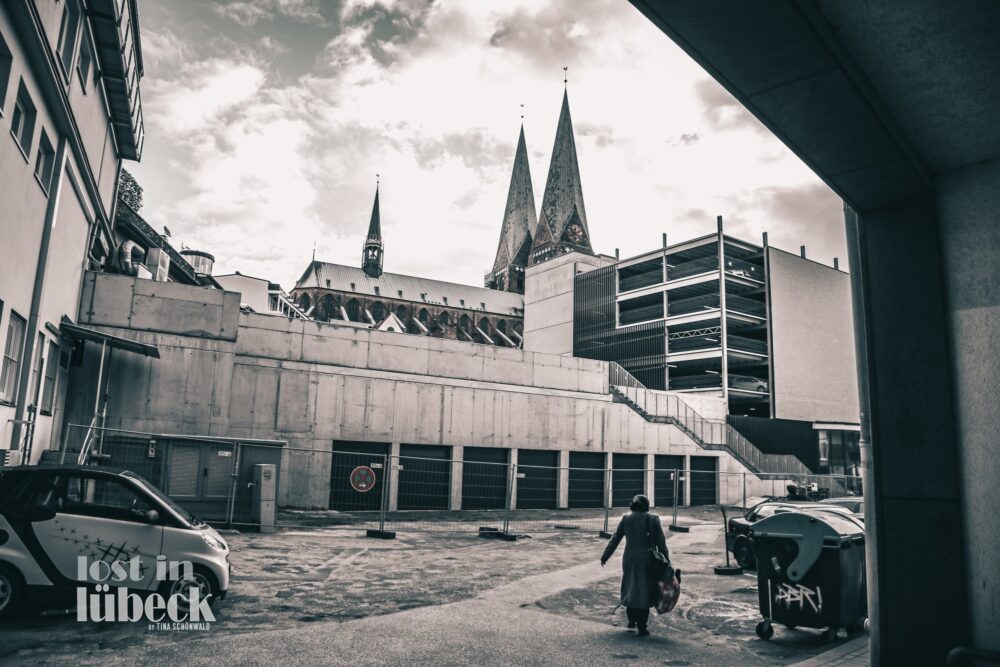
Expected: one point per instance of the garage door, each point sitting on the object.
(425, 478)
(586, 479)
(704, 480)
(628, 478)
(663, 480)
(538, 488)
(484, 478)
(348, 455)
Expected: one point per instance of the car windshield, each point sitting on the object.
(163, 498)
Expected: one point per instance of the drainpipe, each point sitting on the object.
(31, 331)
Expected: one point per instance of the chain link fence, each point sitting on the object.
(426, 488)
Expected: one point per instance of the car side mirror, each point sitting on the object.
(152, 516)
(41, 513)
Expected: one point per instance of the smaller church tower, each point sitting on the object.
(371, 255)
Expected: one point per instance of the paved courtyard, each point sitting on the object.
(333, 596)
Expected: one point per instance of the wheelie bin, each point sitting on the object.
(810, 572)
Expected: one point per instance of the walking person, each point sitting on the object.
(642, 531)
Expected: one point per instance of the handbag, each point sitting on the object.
(659, 567)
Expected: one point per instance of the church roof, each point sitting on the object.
(375, 224)
(519, 218)
(562, 202)
(349, 279)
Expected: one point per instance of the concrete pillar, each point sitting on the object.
(650, 478)
(512, 462)
(901, 318)
(393, 463)
(455, 497)
(562, 486)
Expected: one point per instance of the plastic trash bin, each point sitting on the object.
(810, 572)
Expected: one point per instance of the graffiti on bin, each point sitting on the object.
(790, 595)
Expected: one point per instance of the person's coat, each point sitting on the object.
(641, 531)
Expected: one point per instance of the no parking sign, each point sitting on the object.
(362, 479)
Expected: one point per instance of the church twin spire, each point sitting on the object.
(561, 227)
(526, 238)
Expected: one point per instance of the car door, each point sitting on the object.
(98, 518)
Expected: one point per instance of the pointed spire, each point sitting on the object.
(519, 220)
(375, 225)
(371, 254)
(562, 222)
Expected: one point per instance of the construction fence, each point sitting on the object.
(436, 488)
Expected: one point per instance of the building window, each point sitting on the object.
(6, 60)
(86, 63)
(51, 373)
(12, 351)
(68, 30)
(44, 161)
(22, 125)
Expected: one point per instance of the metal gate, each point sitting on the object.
(663, 480)
(484, 478)
(628, 478)
(348, 455)
(424, 477)
(704, 480)
(539, 486)
(586, 479)
(200, 477)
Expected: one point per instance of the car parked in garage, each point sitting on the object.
(747, 383)
(738, 540)
(52, 517)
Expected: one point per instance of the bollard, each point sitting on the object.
(744, 490)
(264, 478)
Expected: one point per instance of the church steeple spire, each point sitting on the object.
(371, 254)
(562, 222)
(519, 220)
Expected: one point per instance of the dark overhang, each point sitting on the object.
(866, 94)
(76, 332)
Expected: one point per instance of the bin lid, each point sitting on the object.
(810, 530)
(810, 522)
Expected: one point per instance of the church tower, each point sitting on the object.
(371, 255)
(562, 222)
(519, 220)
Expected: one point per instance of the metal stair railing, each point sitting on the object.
(662, 407)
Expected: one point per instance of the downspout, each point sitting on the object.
(31, 331)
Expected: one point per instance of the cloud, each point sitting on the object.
(268, 137)
(249, 12)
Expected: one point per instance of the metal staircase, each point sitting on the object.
(665, 408)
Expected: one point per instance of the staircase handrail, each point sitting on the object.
(708, 433)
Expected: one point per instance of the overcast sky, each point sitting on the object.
(267, 121)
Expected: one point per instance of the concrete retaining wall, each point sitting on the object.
(311, 384)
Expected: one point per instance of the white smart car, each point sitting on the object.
(52, 516)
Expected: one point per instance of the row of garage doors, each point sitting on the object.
(425, 478)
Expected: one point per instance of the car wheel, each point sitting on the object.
(200, 579)
(743, 552)
(12, 592)
(761, 388)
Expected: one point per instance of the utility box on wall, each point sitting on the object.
(265, 477)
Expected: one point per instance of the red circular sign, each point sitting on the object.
(362, 479)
